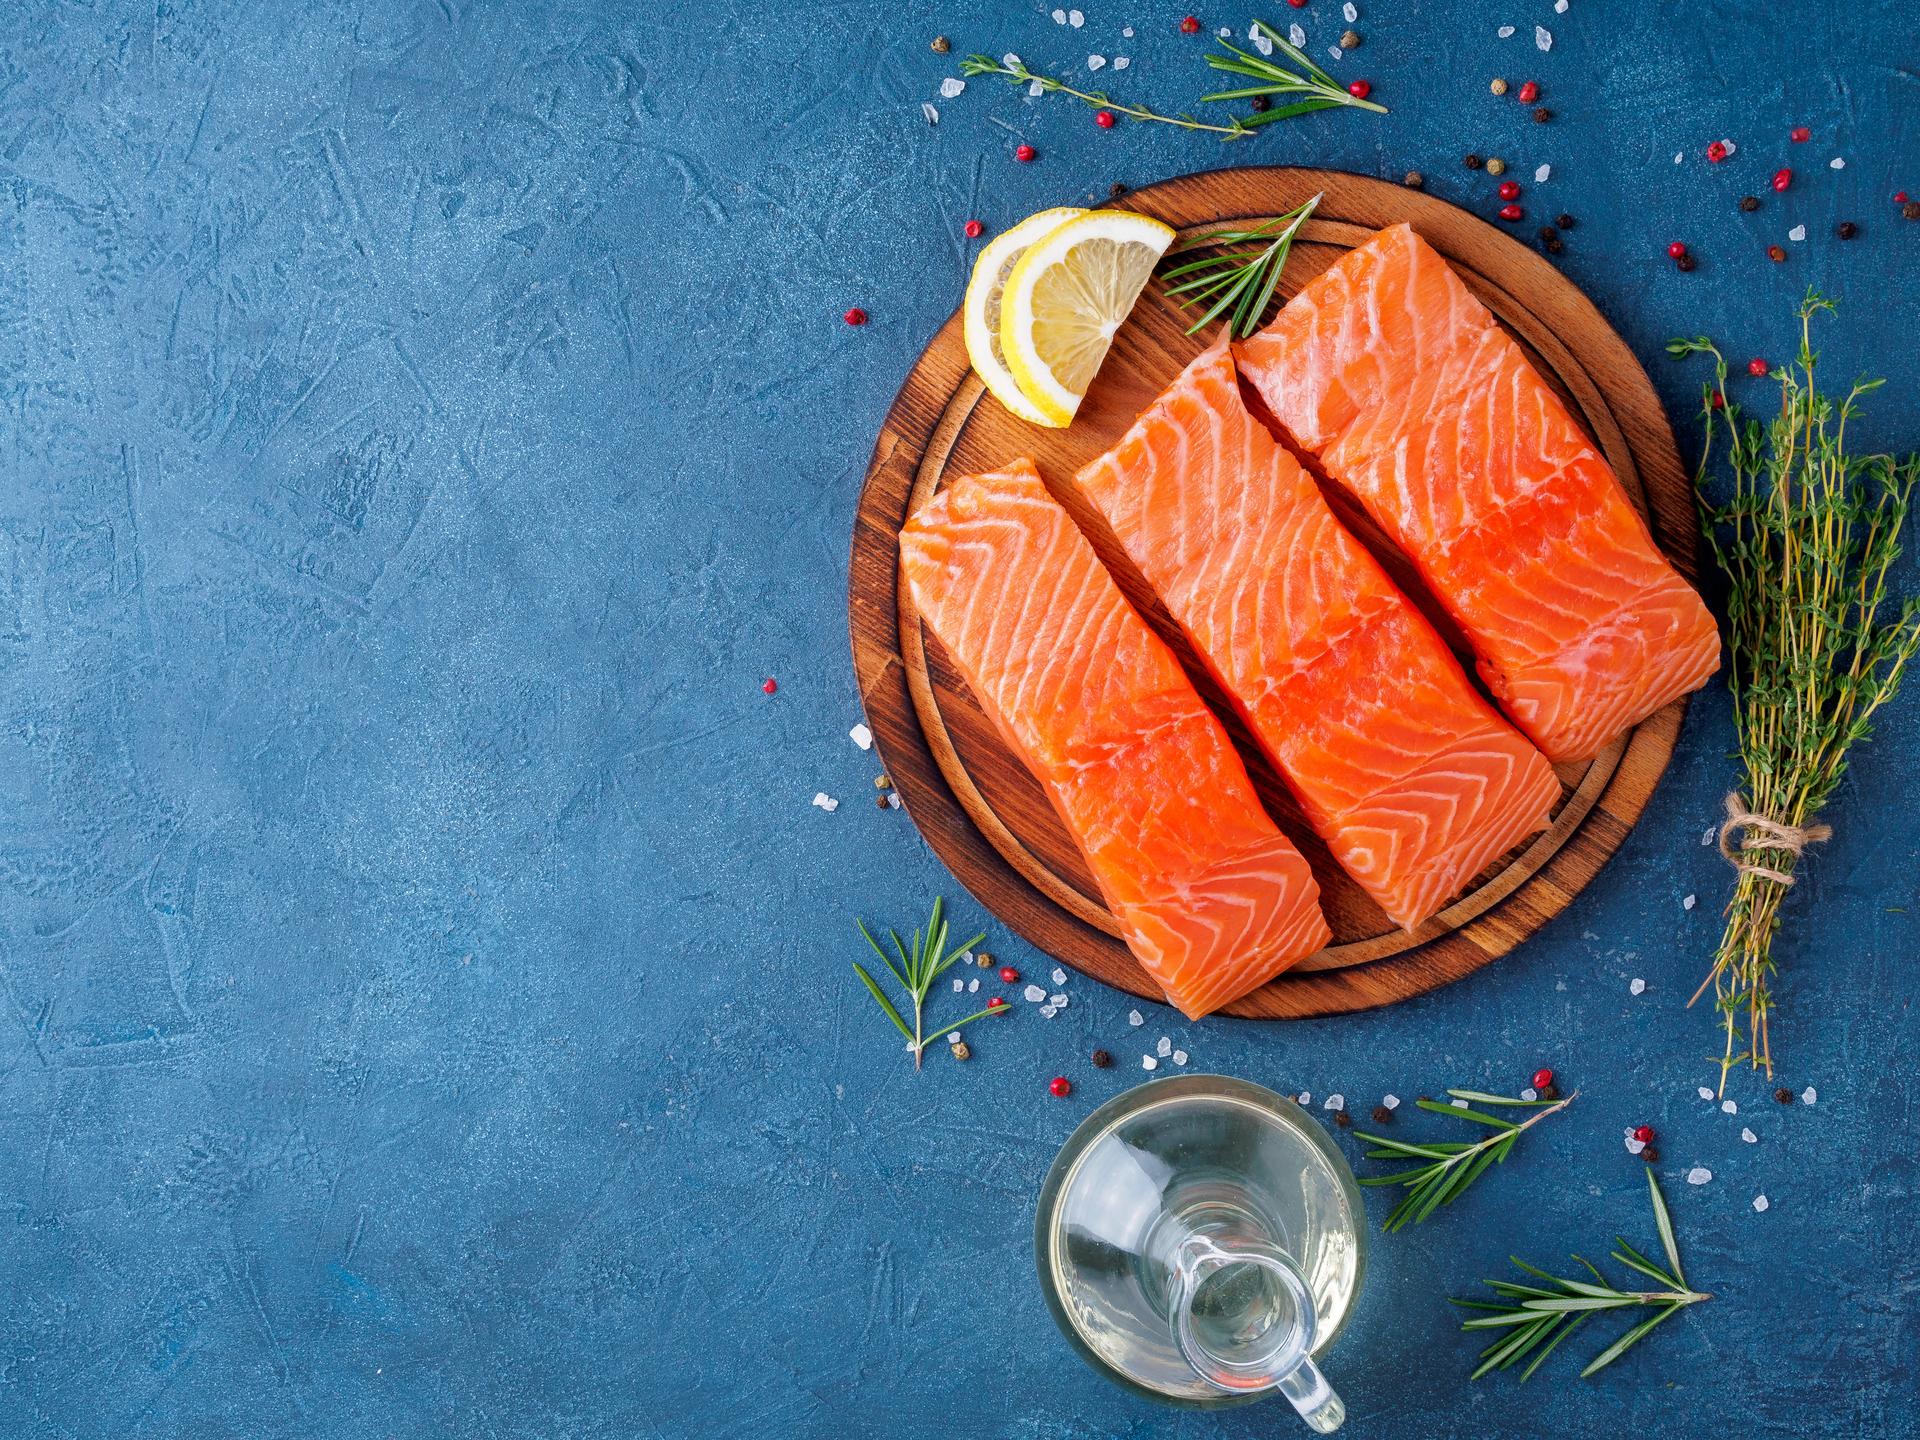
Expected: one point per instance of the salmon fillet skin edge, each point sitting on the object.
(1412, 779)
(1419, 404)
(1213, 900)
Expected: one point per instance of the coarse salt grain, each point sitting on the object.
(1036, 88)
(1543, 37)
(973, 986)
(1260, 39)
(958, 986)
(894, 802)
(1529, 1093)
(1709, 835)
(1010, 60)
(1134, 1017)
(1637, 986)
(1689, 902)
(1837, 163)
(1728, 1107)
(1096, 62)
(1797, 233)
(1225, 33)
(951, 87)
(1164, 1047)
(1047, 1012)
(1634, 1147)
(1705, 1093)
(1059, 1002)
(1559, 7)
(1505, 32)
(1297, 37)
(1305, 1097)
(953, 1037)
(1458, 1104)
(861, 736)
(1127, 32)
(1076, 19)
(1809, 1095)
(932, 115)
(1059, 976)
(1541, 176)
(1748, 1136)
(1350, 11)
(1390, 1102)
(1147, 1062)
(1760, 1203)
(826, 802)
(1699, 1175)
(1121, 62)
(1333, 1102)
(1179, 1057)
(1678, 156)
(1336, 52)
(1729, 147)
(1059, 17)
(1033, 993)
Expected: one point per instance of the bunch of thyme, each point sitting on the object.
(1806, 541)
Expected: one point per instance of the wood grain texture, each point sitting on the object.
(974, 800)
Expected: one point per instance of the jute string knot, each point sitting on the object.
(1757, 832)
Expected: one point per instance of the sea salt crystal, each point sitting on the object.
(1559, 7)
(1797, 233)
(926, 109)
(1709, 835)
(1637, 986)
(1033, 993)
(893, 801)
(1458, 1104)
(951, 87)
(1505, 32)
(1121, 62)
(1336, 52)
(1350, 12)
(1333, 1102)
(1134, 1017)
(1541, 176)
(1260, 40)
(1728, 1107)
(1699, 1175)
(1305, 1097)
(1047, 1012)
(1634, 1147)
(1760, 1203)
(953, 1037)
(1059, 17)
(1179, 1057)
(959, 986)
(1390, 1102)
(1809, 1095)
(1705, 1093)
(1543, 37)
(1059, 1002)
(1678, 156)
(1225, 33)
(1730, 148)
(1076, 19)
(1147, 1062)
(1748, 1136)
(1837, 163)
(973, 986)
(1010, 60)
(1529, 1093)
(1127, 32)
(1689, 902)
(1059, 976)
(861, 736)
(1297, 37)
(1164, 1047)
(1036, 88)
(826, 802)
(1096, 62)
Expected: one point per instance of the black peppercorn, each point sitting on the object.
(1260, 104)
(1749, 203)
(1650, 1154)
(1783, 1095)
(1382, 1115)
(1685, 262)
(1547, 232)
(1565, 222)
(1911, 210)
(1556, 245)
(1342, 1119)
(1549, 1091)
(1102, 1060)
(1846, 230)
(1116, 190)
(1542, 115)
(1473, 162)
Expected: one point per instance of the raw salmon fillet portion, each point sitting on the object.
(1213, 899)
(1416, 401)
(1414, 781)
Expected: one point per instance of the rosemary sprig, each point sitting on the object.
(921, 963)
(1817, 646)
(1452, 1166)
(1533, 1319)
(1015, 69)
(1237, 283)
(1321, 90)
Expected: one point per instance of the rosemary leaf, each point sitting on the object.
(921, 963)
(1452, 1167)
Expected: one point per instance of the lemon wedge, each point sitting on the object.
(1065, 298)
(982, 307)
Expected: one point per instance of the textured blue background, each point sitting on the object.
(425, 980)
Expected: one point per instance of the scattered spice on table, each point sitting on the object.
(855, 316)
(1542, 115)
(1102, 1060)
(1116, 190)
(1846, 230)
(1382, 1115)
(769, 685)
(1564, 221)
(1024, 153)
(1800, 134)
(1512, 212)
(1260, 104)
(941, 45)
(882, 782)
(1414, 180)
(1783, 1095)
(1749, 203)
(1718, 151)
(1782, 178)
(1350, 40)
(1496, 166)
(1777, 254)
(958, 1049)
(973, 229)
(1474, 162)
(1911, 210)
(1060, 1086)
(1498, 86)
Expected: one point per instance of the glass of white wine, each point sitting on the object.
(1201, 1241)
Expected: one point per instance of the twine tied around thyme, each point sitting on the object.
(1757, 832)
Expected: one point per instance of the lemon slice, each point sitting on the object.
(982, 307)
(1066, 297)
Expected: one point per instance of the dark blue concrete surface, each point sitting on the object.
(426, 994)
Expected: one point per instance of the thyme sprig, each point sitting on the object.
(1321, 90)
(1536, 1318)
(1817, 646)
(1016, 70)
(1236, 283)
(1450, 1165)
(921, 963)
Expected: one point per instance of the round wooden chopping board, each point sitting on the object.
(976, 803)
